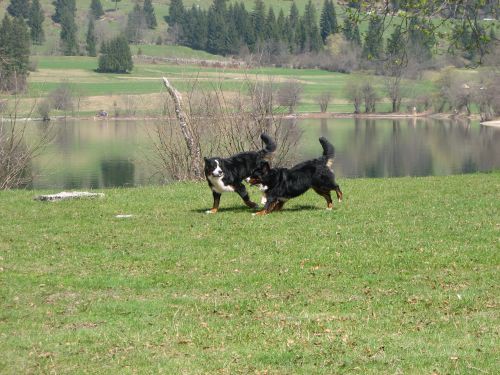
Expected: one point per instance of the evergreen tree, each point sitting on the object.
(373, 41)
(243, 25)
(395, 43)
(35, 21)
(69, 29)
(19, 8)
(136, 23)
(328, 20)
(62, 6)
(15, 51)
(294, 16)
(259, 20)
(96, 9)
(115, 56)
(281, 26)
(91, 39)
(175, 13)
(218, 41)
(420, 39)
(149, 13)
(351, 32)
(271, 31)
(195, 25)
(313, 37)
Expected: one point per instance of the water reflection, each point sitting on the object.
(94, 154)
(117, 173)
(408, 147)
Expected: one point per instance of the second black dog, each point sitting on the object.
(281, 184)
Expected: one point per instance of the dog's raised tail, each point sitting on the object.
(269, 144)
(328, 149)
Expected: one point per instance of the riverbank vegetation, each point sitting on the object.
(400, 277)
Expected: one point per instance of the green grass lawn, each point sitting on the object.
(402, 277)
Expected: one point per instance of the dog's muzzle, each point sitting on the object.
(254, 181)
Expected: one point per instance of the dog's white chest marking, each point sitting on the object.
(218, 185)
(216, 180)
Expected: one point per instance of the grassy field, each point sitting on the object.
(402, 277)
(101, 91)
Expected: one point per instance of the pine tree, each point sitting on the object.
(115, 56)
(96, 9)
(217, 35)
(19, 8)
(176, 12)
(69, 29)
(259, 19)
(61, 6)
(372, 48)
(195, 25)
(91, 39)
(328, 20)
(15, 51)
(271, 31)
(294, 15)
(149, 13)
(136, 23)
(313, 37)
(395, 43)
(420, 39)
(351, 32)
(35, 21)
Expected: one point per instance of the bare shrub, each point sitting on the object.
(16, 152)
(324, 100)
(370, 96)
(43, 109)
(354, 93)
(222, 124)
(395, 91)
(486, 94)
(289, 95)
(62, 97)
(130, 105)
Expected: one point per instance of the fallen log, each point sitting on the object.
(68, 195)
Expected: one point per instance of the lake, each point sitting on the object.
(99, 154)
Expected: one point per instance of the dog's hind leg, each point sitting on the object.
(325, 194)
(339, 192)
(215, 206)
(242, 192)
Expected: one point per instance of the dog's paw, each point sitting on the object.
(211, 211)
(329, 208)
(263, 200)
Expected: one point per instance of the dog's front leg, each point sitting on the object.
(215, 206)
(268, 207)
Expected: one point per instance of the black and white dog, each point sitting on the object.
(227, 174)
(281, 184)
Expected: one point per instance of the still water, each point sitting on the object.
(97, 154)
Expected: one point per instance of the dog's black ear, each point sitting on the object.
(206, 159)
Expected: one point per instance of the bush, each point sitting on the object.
(62, 97)
(115, 56)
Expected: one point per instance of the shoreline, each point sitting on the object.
(300, 115)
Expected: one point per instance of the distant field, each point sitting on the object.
(146, 79)
(400, 278)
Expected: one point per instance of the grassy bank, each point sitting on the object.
(400, 278)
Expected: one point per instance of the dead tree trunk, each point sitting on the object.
(191, 142)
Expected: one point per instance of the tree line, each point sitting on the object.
(224, 29)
